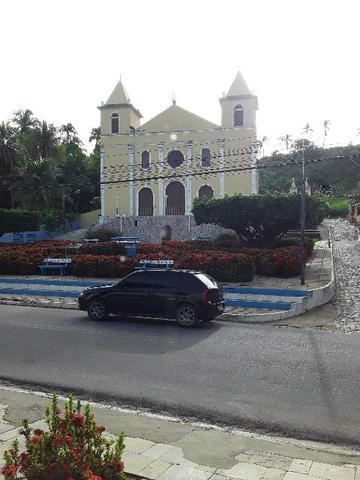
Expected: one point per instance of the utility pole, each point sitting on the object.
(134, 131)
(63, 204)
(302, 221)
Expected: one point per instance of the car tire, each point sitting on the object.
(186, 315)
(97, 310)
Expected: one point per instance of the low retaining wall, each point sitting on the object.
(315, 296)
(149, 229)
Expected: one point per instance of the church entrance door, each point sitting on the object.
(146, 208)
(175, 199)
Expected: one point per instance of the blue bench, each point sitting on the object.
(60, 264)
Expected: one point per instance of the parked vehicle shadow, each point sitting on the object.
(150, 336)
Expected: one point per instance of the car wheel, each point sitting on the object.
(97, 310)
(186, 315)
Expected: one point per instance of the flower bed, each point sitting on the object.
(107, 259)
(220, 265)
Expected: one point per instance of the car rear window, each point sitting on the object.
(208, 281)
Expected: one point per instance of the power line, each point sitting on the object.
(235, 169)
(176, 175)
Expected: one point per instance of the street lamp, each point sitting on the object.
(302, 221)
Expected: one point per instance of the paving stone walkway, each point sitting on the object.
(160, 448)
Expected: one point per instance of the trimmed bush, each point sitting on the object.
(102, 248)
(18, 220)
(258, 220)
(103, 234)
(227, 241)
(112, 266)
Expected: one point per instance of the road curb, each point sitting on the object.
(315, 298)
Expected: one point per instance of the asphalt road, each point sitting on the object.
(301, 383)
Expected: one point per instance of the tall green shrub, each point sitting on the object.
(18, 220)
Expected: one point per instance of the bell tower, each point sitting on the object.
(238, 107)
(118, 113)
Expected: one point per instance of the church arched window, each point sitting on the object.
(145, 160)
(206, 192)
(238, 116)
(115, 121)
(205, 157)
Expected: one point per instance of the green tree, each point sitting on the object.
(258, 220)
(325, 173)
(25, 120)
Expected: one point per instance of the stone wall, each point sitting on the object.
(149, 229)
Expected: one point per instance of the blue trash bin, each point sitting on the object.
(130, 250)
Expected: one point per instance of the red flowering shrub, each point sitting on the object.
(73, 448)
(280, 262)
(224, 267)
(107, 259)
(102, 266)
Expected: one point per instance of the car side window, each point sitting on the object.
(138, 281)
(191, 284)
(164, 280)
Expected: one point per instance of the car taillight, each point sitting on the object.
(206, 295)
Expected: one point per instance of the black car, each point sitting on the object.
(188, 296)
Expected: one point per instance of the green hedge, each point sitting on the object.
(18, 220)
(338, 207)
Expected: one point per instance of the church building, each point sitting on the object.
(152, 172)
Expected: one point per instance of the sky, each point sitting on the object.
(62, 58)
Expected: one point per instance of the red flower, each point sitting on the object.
(35, 439)
(56, 441)
(68, 440)
(9, 471)
(100, 429)
(74, 454)
(38, 432)
(78, 419)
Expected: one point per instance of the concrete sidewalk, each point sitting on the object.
(165, 448)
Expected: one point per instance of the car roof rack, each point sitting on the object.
(148, 264)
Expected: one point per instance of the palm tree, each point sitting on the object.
(70, 134)
(37, 186)
(25, 120)
(47, 139)
(326, 127)
(9, 162)
(307, 129)
(287, 139)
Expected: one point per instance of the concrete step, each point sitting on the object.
(264, 298)
(235, 297)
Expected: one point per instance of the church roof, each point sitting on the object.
(238, 87)
(119, 95)
(176, 118)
